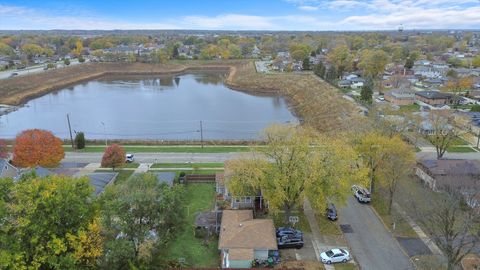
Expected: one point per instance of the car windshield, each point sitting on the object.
(343, 251)
(329, 253)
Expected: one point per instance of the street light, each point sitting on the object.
(104, 132)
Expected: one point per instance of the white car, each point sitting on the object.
(361, 193)
(335, 255)
(129, 158)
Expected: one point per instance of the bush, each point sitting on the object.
(475, 108)
(81, 59)
(80, 140)
(66, 61)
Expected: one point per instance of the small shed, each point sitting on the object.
(100, 180)
(208, 221)
(165, 177)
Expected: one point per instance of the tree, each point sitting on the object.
(299, 164)
(331, 74)
(409, 63)
(300, 51)
(175, 52)
(51, 65)
(3, 149)
(458, 86)
(476, 61)
(6, 49)
(306, 64)
(81, 59)
(51, 225)
(66, 61)
(140, 216)
(396, 166)
(373, 62)
(36, 147)
(234, 51)
(31, 50)
(319, 70)
(79, 140)
(450, 225)
(114, 156)
(439, 130)
(341, 58)
(78, 48)
(367, 91)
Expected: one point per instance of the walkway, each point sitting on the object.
(423, 236)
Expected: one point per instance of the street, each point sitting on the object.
(371, 244)
(33, 69)
(157, 157)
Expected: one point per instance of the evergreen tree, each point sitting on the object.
(306, 64)
(367, 91)
(409, 63)
(331, 74)
(80, 140)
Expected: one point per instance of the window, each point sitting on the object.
(237, 200)
(248, 199)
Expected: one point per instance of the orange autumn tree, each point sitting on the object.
(3, 149)
(37, 147)
(114, 156)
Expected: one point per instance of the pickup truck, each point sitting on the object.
(361, 193)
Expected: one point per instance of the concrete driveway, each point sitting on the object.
(372, 246)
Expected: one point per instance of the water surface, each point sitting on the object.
(151, 107)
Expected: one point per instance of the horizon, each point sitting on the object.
(247, 15)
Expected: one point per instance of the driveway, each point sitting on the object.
(371, 244)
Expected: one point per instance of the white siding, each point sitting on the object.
(261, 254)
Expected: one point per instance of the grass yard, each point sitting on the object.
(123, 175)
(279, 220)
(460, 149)
(167, 149)
(197, 253)
(132, 165)
(345, 266)
(402, 228)
(326, 226)
(186, 165)
(409, 108)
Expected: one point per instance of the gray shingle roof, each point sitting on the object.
(165, 177)
(100, 180)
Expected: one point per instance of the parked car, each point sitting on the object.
(284, 231)
(335, 255)
(290, 241)
(129, 158)
(361, 193)
(14, 74)
(331, 212)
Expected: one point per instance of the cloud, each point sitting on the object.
(308, 8)
(227, 21)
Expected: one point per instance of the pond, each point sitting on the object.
(163, 107)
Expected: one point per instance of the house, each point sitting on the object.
(434, 97)
(237, 202)
(400, 96)
(344, 83)
(244, 239)
(453, 175)
(357, 82)
(7, 170)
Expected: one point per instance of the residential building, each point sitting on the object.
(244, 239)
(434, 97)
(452, 175)
(400, 96)
(238, 202)
(7, 170)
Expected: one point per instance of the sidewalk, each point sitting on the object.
(320, 243)
(422, 235)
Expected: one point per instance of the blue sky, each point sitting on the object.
(241, 14)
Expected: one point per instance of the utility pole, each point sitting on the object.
(478, 138)
(201, 133)
(70, 129)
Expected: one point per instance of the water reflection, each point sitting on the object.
(132, 107)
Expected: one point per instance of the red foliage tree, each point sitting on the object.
(114, 156)
(3, 149)
(37, 147)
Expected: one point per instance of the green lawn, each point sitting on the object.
(460, 149)
(402, 228)
(326, 226)
(279, 220)
(131, 165)
(168, 149)
(409, 108)
(187, 165)
(459, 141)
(196, 252)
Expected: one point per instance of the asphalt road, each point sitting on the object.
(373, 247)
(34, 69)
(157, 157)
(433, 155)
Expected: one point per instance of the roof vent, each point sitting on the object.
(240, 225)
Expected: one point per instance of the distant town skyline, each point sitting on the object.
(308, 15)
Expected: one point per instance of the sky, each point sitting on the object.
(301, 15)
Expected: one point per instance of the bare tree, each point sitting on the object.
(439, 129)
(451, 224)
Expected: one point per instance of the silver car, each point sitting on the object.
(335, 255)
